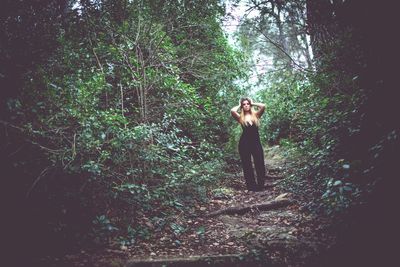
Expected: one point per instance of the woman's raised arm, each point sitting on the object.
(261, 108)
(234, 113)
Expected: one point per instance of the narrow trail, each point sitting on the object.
(280, 235)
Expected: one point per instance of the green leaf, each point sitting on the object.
(337, 182)
(201, 230)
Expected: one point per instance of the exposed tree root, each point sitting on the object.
(214, 260)
(273, 204)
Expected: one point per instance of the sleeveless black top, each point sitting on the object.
(249, 135)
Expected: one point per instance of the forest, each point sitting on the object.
(118, 147)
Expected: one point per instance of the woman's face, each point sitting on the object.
(246, 105)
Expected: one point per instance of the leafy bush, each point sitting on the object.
(132, 111)
(315, 123)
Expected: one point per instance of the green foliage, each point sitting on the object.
(313, 122)
(324, 111)
(177, 229)
(339, 195)
(133, 103)
(103, 228)
(222, 193)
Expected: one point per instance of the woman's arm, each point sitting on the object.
(261, 108)
(234, 113)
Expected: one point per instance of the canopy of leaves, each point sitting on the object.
(128, 108)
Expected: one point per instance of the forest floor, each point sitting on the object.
(278, 236)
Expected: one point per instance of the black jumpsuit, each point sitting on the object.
(250, 145)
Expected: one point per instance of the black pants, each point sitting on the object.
(246, 151)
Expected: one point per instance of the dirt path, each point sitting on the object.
(283, 236)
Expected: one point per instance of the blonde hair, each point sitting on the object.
(254, 117)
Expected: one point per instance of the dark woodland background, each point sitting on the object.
(117, 111)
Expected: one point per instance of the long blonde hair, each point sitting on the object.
(254, 117)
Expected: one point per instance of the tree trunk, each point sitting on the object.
(320, 25)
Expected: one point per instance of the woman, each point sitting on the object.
(249, 144)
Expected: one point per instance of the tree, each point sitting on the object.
(125, 106)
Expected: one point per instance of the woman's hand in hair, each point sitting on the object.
(261, 108)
